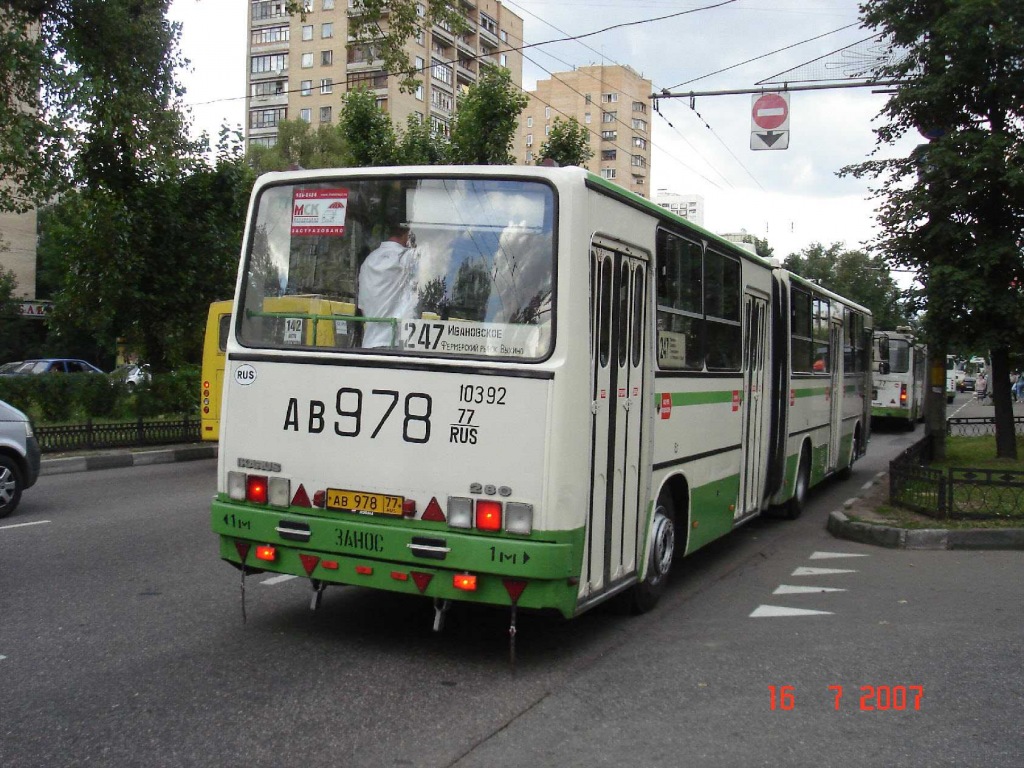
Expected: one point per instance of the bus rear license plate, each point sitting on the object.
(358, 501)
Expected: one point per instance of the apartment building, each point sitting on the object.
(613, 103)
(690, 207)
(18, 250)
(300, 68)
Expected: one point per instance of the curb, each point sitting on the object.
(842, 527)
(139, 458)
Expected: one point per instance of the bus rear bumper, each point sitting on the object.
(409, 557)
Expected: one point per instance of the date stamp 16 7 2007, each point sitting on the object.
(872, 698)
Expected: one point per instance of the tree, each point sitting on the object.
(299, 145)
(367, 132)
(953, 210)
(90, 96)
(856, 276)
(567, 144)
(484, 126)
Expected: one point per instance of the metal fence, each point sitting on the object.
(975, 426)
(955, 493)
(76, 437)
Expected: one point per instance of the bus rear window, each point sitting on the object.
(449, 267)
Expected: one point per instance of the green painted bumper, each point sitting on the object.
(381, 553)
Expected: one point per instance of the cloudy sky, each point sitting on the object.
(792, 197)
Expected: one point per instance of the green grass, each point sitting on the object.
(978, 453)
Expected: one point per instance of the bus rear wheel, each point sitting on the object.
(663, 544)
(803, 483)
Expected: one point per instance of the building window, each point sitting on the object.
(587, 98)
(639, 106)
(306, 87)
(265, 88)
(529, 139)
(307, 60)
(608, 173)
(488, 24)
(586, 118)
(529, 121)
(547, 113)
(419, 94)
(639, 161)
(503, 60)
(529, 157)
(419, 36)
(421, 65)
(609, 135)
(327, 85)
(328, 5)
(609, 117)
(609, 98)
(325, 114)
(268, 9)
(638, 180)
(441, 99)
(421, 10)
(270, 35)
(267, 118)
(263, 141)
(440, 72)
(326, 58)
(640, 125)
(275, 62)
(503, 36)
(639, 143)
(306, 114)
(608, 154)
(307, 32)
(326, 30)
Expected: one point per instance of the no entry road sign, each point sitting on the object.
(769, 121)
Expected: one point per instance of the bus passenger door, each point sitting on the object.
(618, 355)
(835, 415)
(756, 409)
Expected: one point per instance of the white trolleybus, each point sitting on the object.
(584, 388)
(901, 366)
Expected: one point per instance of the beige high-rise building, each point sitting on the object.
(613, 103)
(300, 68)
(18, 250)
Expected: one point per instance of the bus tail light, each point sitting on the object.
(903, 394)
(256, 489)
(488, 515)
(280, 491)
(460, 512)
(464, 581)
(266, 552)
(519, 518)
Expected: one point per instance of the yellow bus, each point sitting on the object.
(218, 322)
(307, 320)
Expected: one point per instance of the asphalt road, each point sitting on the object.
(122, 644)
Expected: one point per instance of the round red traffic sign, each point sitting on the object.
(769, 111)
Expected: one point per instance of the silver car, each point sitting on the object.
(19, 457)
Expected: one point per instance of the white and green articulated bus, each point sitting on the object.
(901, 365)
(584, 389)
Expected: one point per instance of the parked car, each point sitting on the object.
(55, 365)
(10, 367)
(131, 375)
(19, 457)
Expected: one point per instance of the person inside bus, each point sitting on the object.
(387, 285)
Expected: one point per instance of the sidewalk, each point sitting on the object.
(876, 493)
(84, 461)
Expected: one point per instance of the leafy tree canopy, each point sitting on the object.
(484, 126)
(567, 144)
(855, 275)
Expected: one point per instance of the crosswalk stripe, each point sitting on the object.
(775, 611)
(805, 571)
(834, 555)
(786, 589)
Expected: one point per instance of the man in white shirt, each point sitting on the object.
(387, 286)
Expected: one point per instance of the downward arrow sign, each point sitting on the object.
(770, 138)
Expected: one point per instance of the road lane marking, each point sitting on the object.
(775, 611)
(23, 525)
(805, 571)
(278, 579)
(832, 555)
(787, 589)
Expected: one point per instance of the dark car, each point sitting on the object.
(54, 365)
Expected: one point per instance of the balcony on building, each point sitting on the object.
(442, 32)
(466, 43)
(362, 57)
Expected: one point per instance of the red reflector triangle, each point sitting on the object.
(421, 579)
(514, 588)
(433, 512)
(309, 562)
(243, 549)
(301, 498)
